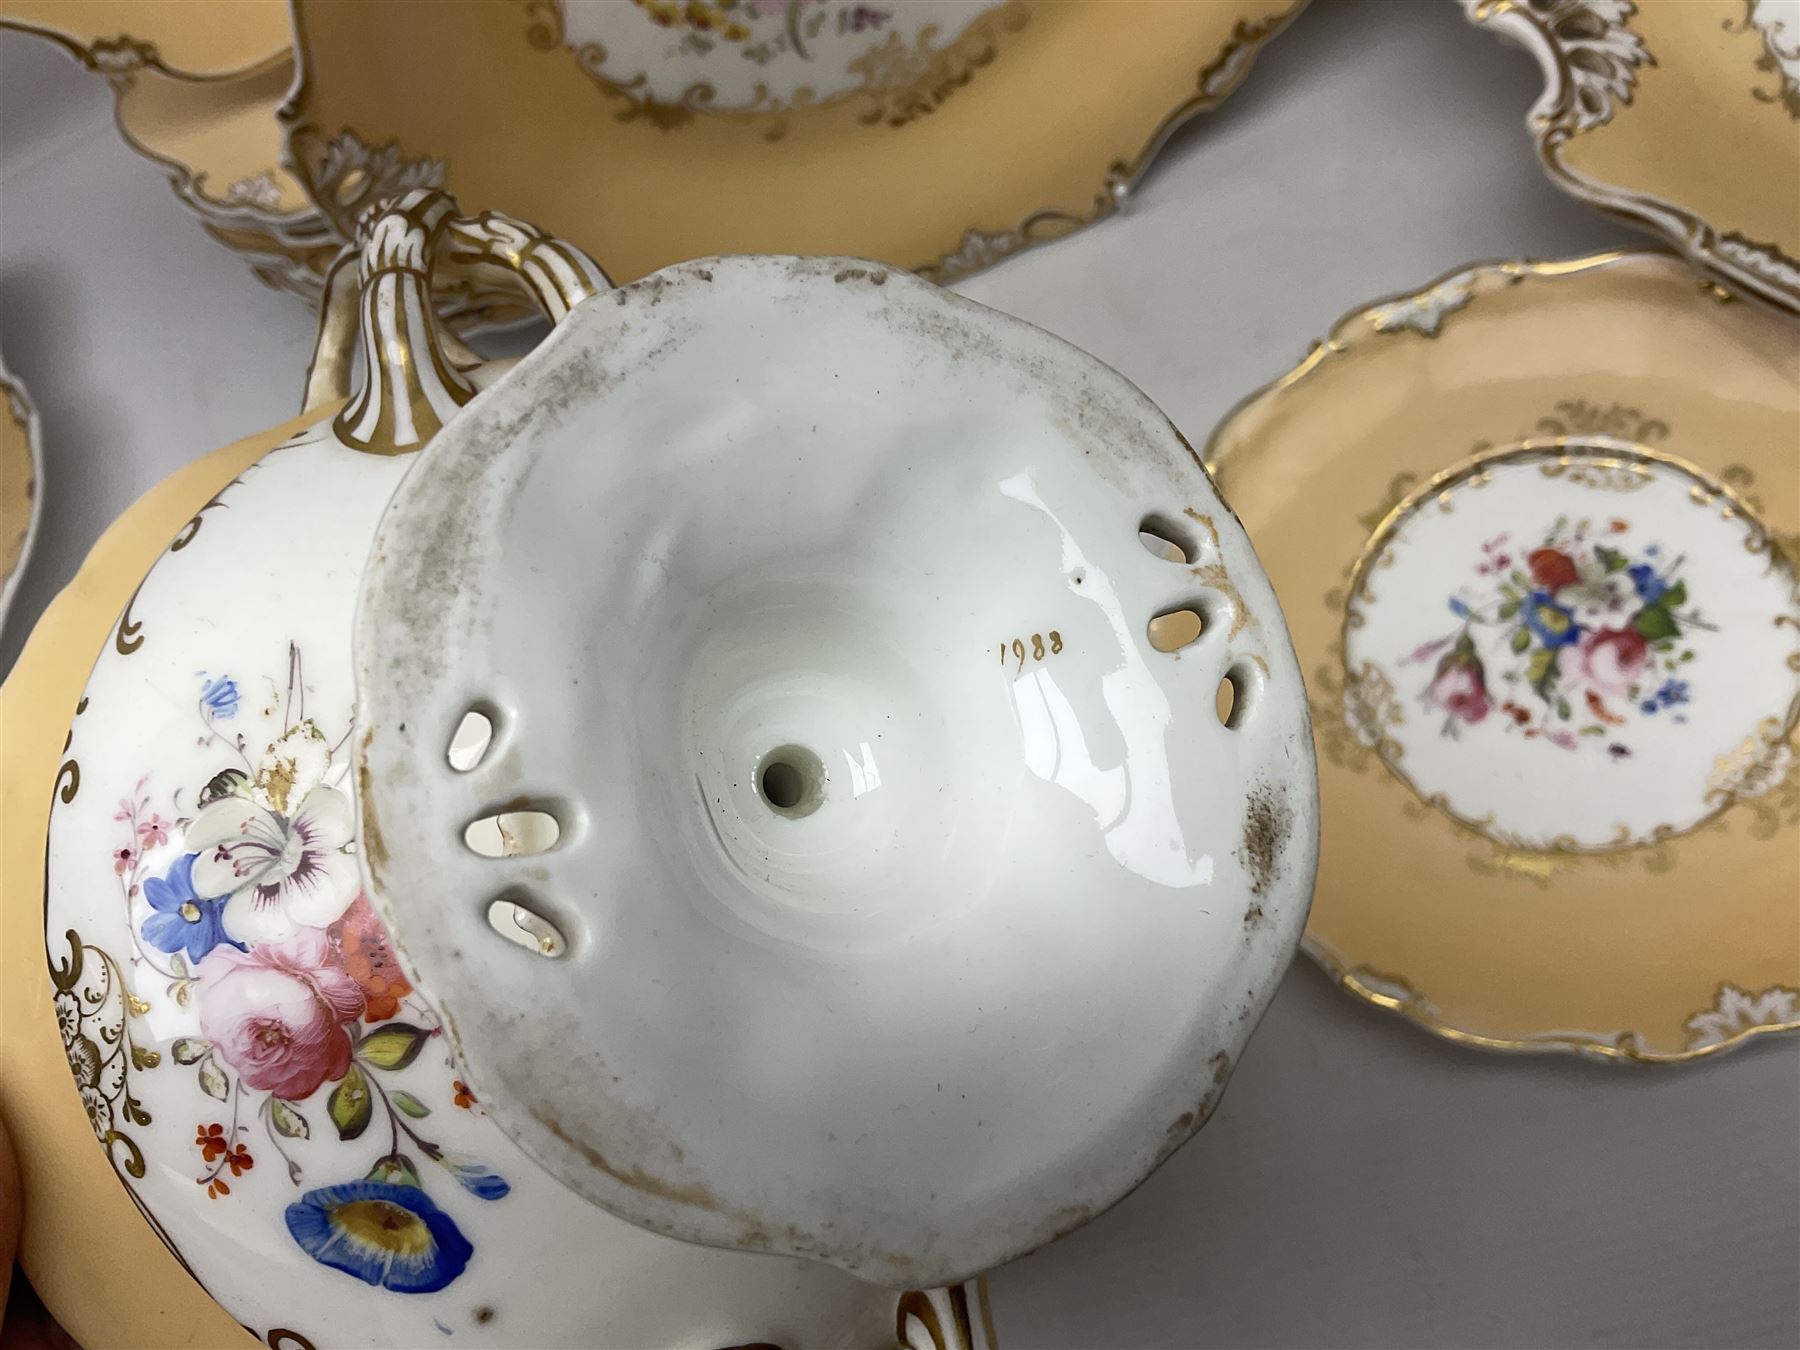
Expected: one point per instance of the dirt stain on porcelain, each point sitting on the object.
(1268, 821)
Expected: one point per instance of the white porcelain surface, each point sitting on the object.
(998, 963)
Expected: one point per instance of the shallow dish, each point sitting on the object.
(1533, 528)
(195, 40)
(938, 136)
(196, 84)
(1683, 118)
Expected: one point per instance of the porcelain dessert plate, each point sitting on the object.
(906, 896)
(21, 484)
(938, 135)
(1534, 528)
(1681, 118)
(184, 39)
(196, 84)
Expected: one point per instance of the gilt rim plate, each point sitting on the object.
(1542, 583)
(1619, 124)
(659, 132)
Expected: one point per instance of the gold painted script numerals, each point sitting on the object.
(1041, 645)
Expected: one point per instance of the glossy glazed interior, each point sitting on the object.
(988, 957)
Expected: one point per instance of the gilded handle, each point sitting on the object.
(378, 296)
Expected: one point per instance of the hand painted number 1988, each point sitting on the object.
(1016, 649)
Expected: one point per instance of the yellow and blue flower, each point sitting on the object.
(1553, 624)
(181, 920)
(387, 1235)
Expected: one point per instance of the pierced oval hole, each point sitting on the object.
(1237, 695)
(474, 734)
(1164, 539)
(513, 834)
(351, 186)
(515, 921)
(1173, 631)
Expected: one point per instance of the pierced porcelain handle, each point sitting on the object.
(378, 294)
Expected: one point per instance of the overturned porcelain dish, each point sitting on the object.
(905, 896)
(1542, 577)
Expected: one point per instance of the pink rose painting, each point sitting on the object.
(1459, 685)
(308, 1030)
(1611, 661)
(278, 1012)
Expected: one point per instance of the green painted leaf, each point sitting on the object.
(1521, 638)
(1655, 622)
(212, 1079)
(177, 966)
(190, 1049)
(396, 1169)
(393, 1046)
(1611, 558)
(1541, 671)
(1510, 608)
(1675, 597)
(350, 1106)
(1562, 708)
(1592, 730)
(230, 783)
(287, 1121)
(411, 1105)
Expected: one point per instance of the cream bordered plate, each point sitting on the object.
(1681, 116)
(939, 135)
(21, 483)
(196, 84)
(196, 87)
(1533, 529)
(183, 39)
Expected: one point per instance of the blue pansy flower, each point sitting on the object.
(387, 1235)
(1672, 692)
(1649, 586)
(219, 697)
(1553, 624)
(182, 921)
